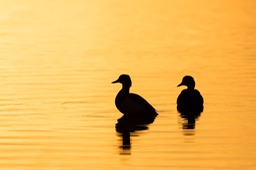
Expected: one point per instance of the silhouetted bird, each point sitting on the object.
(190, 102)
(136, 109)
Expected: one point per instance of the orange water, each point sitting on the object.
(58, 59)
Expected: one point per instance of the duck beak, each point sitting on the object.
(181, 84)
(117, 81)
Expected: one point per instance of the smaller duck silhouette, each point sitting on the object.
(135, 108)
(190, 101)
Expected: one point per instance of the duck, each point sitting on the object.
(190, 101)
(131, 105)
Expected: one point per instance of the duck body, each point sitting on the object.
(132, 105)
(190, 101)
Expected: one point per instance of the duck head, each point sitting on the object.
(125, 80)
(188, 81)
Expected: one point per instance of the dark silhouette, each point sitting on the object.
(189, 102)
(132, 104)
(137, 112)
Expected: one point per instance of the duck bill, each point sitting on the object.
(181, 84)
(115, 81)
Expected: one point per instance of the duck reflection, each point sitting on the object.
(189, 103)
(128, 126)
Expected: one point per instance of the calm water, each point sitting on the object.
(58, 59)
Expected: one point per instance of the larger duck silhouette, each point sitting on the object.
(137, 112)
(190, 101)
(131, 104)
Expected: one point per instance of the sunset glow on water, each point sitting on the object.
(58, 59)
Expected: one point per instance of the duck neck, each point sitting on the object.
(191, 88)
(126, 89)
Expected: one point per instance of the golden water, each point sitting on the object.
(58, 59)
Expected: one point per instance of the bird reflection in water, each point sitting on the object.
(137, 112)
(127, 126)
(189, 103)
